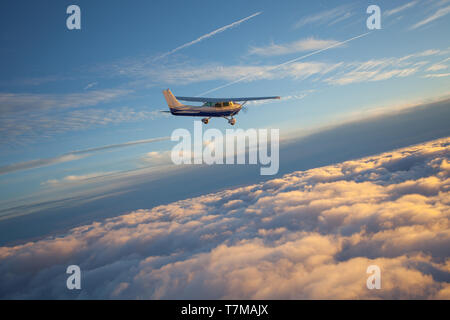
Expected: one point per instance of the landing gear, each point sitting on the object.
(205, 120)
(231, 121)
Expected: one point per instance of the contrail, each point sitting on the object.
(285, 63)
(208, 35)
(119, 145)
(70, 156)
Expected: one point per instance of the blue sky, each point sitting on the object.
(63, 91)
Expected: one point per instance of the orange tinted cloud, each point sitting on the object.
(307, 235)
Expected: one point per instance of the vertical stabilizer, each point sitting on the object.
(172, 102)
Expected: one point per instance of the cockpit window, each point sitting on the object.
(218, 105)
(226, 104)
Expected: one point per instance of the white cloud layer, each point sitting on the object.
(308, 234)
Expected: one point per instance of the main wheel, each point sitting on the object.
(232, 121)
(205, 120)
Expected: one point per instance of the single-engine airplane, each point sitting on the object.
(212, 107)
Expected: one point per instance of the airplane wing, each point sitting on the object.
(201, 99)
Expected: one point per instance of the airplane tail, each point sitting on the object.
(172, 102)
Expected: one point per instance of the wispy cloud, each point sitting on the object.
(295, 96)
(156, 158)
(26, 127)
(339, 73)
(208, 35)
(72, 179)
(287, 63)
(400, 8)
(293, 47)
(199, 73)
(437, 75)
(39, 163)
(331, 16)
(36, 81)
(437, 67)
(441, 65)
(382, 69)
(426, 53)
(20, 102)
(371, 75)
(91, 85)
(442, 12)
(71, 156)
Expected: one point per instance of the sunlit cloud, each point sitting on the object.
(306, 235)
(73, 179)
(437, 75)
(437, 67)
(157, 158)
(293, 47)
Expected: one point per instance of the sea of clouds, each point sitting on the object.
(308, 235)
